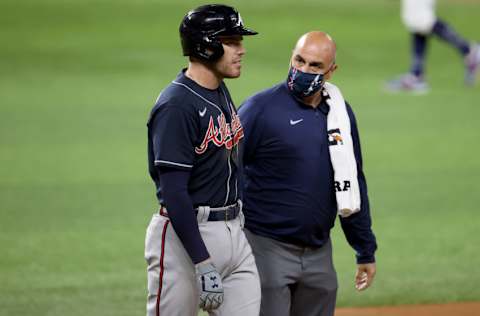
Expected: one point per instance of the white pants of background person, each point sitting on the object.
(419, 15)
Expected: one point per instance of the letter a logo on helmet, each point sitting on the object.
(240, 21)
(200, 30)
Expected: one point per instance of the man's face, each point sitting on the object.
(314, 59)
(229, 65)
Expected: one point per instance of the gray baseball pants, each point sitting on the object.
(172, 286)
(295, 281)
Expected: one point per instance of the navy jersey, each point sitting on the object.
(289, 192)
(197, 129)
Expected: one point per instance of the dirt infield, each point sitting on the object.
(453, 309)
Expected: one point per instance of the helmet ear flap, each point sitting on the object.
(209, 49)
(199, 45)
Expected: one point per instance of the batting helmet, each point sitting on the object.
(201, 27)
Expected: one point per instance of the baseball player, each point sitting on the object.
(195, 247)
(303, 166)
(421, 21)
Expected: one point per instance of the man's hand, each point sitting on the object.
(364, 276)
(210, 285)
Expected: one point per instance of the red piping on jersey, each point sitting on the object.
(162, 254)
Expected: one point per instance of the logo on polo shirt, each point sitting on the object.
(222, 134)
(292, 122)
(334, 137)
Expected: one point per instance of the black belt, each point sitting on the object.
(224, 213)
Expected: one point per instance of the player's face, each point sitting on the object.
(229, 66)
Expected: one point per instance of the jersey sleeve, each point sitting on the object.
(174, 133)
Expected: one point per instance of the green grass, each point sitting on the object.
(78, 78)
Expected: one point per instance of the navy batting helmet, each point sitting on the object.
(201, 27)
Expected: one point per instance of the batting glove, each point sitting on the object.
(210, 286)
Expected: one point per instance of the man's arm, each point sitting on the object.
(358, 226)
(174, 134)
(182, 216)
(180, 212)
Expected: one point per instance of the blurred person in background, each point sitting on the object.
(421, 21)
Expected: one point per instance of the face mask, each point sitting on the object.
(304, 84)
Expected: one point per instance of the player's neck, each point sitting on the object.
(203, 75)
(313, 100)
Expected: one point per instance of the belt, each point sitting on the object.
(224, 213)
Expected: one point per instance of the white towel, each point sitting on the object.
(344, 164)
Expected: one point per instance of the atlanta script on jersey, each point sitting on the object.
(225, 134)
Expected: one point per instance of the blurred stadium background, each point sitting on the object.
(77, 81)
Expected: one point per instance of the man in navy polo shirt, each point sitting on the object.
(292, 191)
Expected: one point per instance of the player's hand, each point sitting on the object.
(210, 285)
(365, 275)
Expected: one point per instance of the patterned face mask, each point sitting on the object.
(304, 84)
